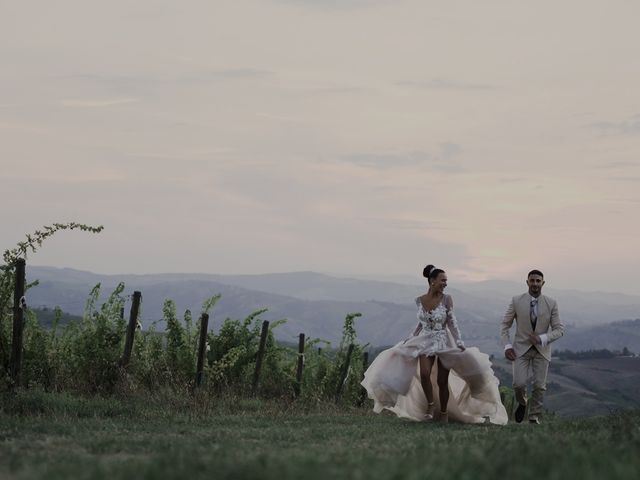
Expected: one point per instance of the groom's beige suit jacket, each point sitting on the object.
(548, 323)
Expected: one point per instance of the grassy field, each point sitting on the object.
(61, 437)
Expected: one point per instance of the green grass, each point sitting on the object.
(62, 437)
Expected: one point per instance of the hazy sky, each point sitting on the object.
(346, 136)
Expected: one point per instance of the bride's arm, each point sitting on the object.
(452, 323)
(417, 330)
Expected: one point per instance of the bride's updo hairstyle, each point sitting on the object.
(431, 273)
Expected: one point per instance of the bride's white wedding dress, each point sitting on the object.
(393, 378)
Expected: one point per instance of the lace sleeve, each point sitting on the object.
(452, 323)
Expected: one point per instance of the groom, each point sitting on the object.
(537, 325)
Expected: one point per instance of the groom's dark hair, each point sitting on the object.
(535, 272)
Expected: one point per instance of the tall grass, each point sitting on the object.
(84, 356)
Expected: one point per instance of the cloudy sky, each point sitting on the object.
(363, 137)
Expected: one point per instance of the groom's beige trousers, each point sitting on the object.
(530, 365)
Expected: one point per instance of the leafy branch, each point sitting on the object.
(35, 239)
(32, 243)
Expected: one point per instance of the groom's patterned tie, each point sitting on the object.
(533, 316)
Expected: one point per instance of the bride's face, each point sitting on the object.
(439, 283)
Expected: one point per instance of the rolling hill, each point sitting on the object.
(316, 304)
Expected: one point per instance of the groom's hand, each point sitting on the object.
(535, 339)
(510, 353)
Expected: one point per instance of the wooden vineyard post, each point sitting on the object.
(19, 305)
(260, 354)
(131, 328)
(298, 385)
(202, 348)
(363, 393)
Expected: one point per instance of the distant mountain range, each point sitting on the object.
(316, 304)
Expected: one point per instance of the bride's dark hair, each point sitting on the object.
(431, 273)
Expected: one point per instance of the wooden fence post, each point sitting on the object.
(363, 393)
(19, 305)
(298, 385)
(202, 348)
(131, 328)
(260, 354)
(343, 373)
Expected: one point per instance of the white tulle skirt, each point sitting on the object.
(393, 382)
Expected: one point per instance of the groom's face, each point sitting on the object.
(535, 283)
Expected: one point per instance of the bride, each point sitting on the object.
(400, 379)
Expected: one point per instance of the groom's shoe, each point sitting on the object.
(520, 412)
(534, 421)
